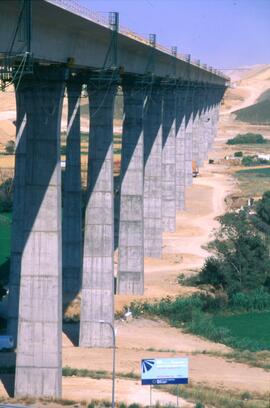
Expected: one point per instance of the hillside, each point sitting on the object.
(247, 91)
(259, 113)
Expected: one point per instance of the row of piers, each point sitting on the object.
(58, 248)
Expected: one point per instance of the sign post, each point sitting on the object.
(162, 371)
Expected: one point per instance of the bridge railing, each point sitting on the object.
(78, 9)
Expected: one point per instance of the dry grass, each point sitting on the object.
(220, 398)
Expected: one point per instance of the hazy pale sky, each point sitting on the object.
(221, 33)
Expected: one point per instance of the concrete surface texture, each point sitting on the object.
(97, 301)
(72, 204)
(153, 174)
(17, 242)
(180, 174)
(196, 128)
(189, 116)
(38, 363)
(131, 228)
(168, 159)
(54, 42)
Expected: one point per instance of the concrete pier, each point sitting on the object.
(72, 217)
(196, 126)
(180, 148)
(38, 365)
(17, 232)
(152, 174)
(168, 159)
(202, 135)
(188, 134)
(98, 263)
(207, 124)
(131, 229)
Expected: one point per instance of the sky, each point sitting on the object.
(225, 34)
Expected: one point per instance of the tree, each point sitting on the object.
(10, 147)
(6, 195)
(240, 260)
(263, 208)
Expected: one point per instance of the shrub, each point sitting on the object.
(258, 299)
(254, 161)
(10, 147)
(248, 161)
(240, 261)
(203, 325)
(6, 195)
(238, 154)
(247, 138)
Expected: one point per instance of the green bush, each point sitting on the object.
(254, 161)
(177, 310)
(238, 154)
(10, 147)
(240, 260)
(199, 405)
(6, 195)
(258, 300)
(63, 150)
(247, 138)
(248, 161)
(203, 325)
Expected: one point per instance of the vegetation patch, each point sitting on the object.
(97, 374)
(247, 138)
(253, 326)
(253, 182)
(259, 359)
(202, 396)
(264, 172)
(254, 160)
(234, 279)
(6, 195)
(5, 238)
(258, 113)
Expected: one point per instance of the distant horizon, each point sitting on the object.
(225, 34)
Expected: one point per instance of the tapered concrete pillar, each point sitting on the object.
(218, 95)
(180, 148)
(188, 135)
(204, 126)
(38, 365)
(131, 233)
(98, 275)
(17, 241)
(208, 122)
(72, 220)
(152, 174)
(196, 126)
(168, 159)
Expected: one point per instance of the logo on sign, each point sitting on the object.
(147, 365)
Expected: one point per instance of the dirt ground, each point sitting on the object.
(183, 253)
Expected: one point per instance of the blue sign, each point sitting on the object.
(160, 371)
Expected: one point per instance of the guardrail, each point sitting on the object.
(82, 11)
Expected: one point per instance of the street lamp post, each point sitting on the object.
(113, 362)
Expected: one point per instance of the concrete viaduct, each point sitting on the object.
(171, 108)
